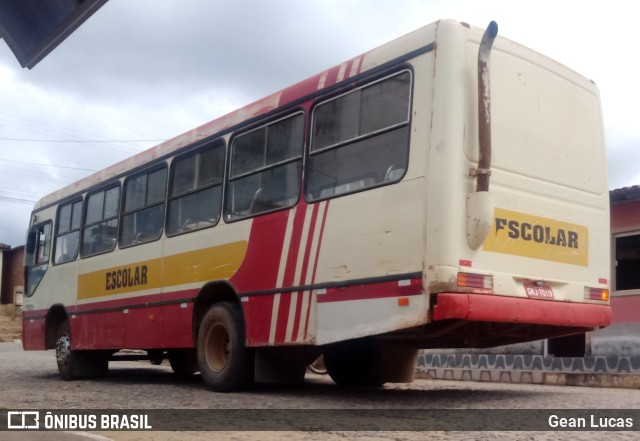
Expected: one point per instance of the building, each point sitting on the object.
(623, 336)
(11, 274)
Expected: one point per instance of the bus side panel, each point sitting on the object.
(377, 234)
(261, 267)
(143, 327)
(382, 240)
(282, 253)
(277, 319)
(33, 330)
(99, 330)
(257, 315)
(177, 319)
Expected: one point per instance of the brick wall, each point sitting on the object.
(12, 273)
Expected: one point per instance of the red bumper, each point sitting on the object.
(492, 308)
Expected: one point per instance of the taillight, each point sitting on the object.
(476, 281)
(601, 294)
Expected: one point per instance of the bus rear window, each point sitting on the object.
(360, 139)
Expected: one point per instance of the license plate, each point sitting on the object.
(538, 291)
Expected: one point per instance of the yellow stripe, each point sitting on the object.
(522, 234)
(219, 262)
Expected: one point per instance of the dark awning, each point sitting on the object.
(33, 28)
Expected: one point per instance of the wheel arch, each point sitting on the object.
(56, 315)
(211, 293)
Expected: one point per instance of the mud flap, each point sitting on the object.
(280, 365)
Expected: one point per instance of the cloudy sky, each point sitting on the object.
(139, 72)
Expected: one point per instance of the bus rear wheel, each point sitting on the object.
(353, 363)
(184, 362)
(73, 364)
(226, 364)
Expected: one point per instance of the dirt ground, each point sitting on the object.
(10, 325)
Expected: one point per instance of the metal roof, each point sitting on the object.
(33, 28)
(626, 194)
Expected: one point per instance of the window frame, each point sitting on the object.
(359, 86)
(57, 233)
(85, 226)
(615, 292)
(292, 113)
(123, 201)
(35, 267)
(210, 145)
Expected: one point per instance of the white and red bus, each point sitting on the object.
(374, 209)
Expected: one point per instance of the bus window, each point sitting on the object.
(360, 139)
(143, 214)
(265, 168)
(68, 232)
(627, 261)
(195, 194)
(37, 254)
(101, 222)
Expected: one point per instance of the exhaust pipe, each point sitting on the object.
(483, 171)
(480, 204)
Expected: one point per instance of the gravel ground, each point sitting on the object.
(29, 380)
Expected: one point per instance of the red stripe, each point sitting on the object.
(40, 313)
(283, 317)
(315, 267)
(303, 272)
(257, 313)
(259, 269)
(289, 274)
(294, 246)
(297, 317)
(176, 296)
(371, 291)
(324, 221)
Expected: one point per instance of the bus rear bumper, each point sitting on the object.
(493, 308)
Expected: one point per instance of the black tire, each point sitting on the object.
(226, 364)
(65, 357)
(353, 363)
(74, 364)
(184, 362)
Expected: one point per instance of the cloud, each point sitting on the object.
(165, 50)
(152, 70)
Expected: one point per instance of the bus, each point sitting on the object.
(445, 190)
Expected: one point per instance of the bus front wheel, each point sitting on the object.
(73, 364)
(226, 364)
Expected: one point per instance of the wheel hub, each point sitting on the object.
(217, 348)
(63, 349)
